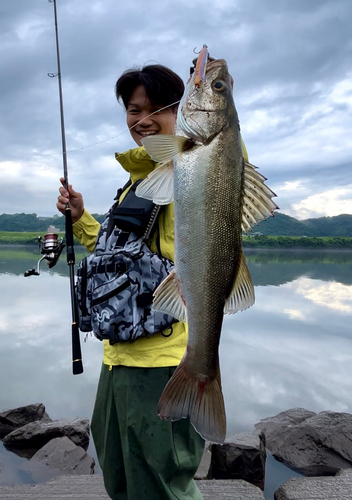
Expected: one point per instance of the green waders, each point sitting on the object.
(143, 457)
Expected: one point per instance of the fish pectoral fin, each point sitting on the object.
(163, 147)
(242, 293)
(257, 200)
(158, 186)
(187, 395)
(168, 299)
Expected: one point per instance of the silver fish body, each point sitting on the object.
(207, 194)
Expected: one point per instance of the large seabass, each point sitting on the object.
(217, 194)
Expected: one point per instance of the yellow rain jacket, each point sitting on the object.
(158, 350)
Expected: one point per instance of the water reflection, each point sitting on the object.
(35, 348)
(293, 348)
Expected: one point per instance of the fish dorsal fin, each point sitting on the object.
(163, 147)
(257, 201)
(242, 293)
(168, 299)
(158, 186)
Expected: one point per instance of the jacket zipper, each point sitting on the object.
(110, 294)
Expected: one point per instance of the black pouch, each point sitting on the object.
(133, 213)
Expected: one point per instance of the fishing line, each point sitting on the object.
(53, 75)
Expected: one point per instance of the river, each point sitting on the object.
(293, 348)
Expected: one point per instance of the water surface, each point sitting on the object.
(293, 348)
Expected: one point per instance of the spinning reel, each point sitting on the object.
(50, 247)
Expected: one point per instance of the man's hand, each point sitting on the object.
(72, 197)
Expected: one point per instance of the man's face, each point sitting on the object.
(138, 109)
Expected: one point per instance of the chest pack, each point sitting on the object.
(115, 284)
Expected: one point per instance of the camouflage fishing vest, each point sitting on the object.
(115, 287)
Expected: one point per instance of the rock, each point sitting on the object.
(241, 457)
(17, 417)
(313, 444)
(63, 455)
(36, 472)
(317, 488)
(37, 434)
(282, 421)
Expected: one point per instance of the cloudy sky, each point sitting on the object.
(291, 61)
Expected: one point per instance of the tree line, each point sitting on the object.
(32, 223)
(279, 225)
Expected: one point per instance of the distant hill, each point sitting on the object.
(31, 222)
(280, 225)
(284, 225)
(340, 225)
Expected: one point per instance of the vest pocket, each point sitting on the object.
(114, 315)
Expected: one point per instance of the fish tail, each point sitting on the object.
(202, 401)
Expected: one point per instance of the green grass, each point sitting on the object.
(30, 239)
(299, 242)
(256, 241)
(22, 238)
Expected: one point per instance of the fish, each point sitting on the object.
(217, 195)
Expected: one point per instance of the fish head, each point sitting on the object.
(207, 108)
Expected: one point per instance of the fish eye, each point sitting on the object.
(219, 86)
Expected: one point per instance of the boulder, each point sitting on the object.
(37, 434)
(36, 473)
(242, 456)
(17, 417)
(313, 444)
(63, 455)
(282, 421)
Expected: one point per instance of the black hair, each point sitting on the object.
(162, 85)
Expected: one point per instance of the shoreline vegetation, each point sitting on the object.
(249, 241)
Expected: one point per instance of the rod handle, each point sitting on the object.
(70, 253)
(77, 365)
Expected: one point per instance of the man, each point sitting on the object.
(141, 456)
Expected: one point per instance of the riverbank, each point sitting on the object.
(297, 242)
(249, 241)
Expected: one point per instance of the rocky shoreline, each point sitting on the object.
(59, 446)
(316, 445)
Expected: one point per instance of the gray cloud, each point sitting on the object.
(290, 61)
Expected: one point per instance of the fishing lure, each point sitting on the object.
(201, 66)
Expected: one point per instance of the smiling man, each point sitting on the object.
(147, 91)
(142, 457)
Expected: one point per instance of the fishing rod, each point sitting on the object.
(77, 366)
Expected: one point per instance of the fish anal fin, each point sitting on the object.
(158, 186)
(242, 293)
(164, 147)
(187, 395)
(168, 298)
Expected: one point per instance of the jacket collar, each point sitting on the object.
(136, 162)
